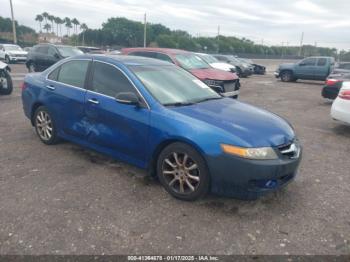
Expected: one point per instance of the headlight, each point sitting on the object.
(261, 153)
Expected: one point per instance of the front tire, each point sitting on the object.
(45, 126)
(6, 85)
(183, 172)
(287, 76)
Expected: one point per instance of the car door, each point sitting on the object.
(65, 90)
(40, 57)
(322, 69)
(306, 68)
(121, 128)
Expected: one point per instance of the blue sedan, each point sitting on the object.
(156, 116)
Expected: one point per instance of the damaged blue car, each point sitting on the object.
(155, 115)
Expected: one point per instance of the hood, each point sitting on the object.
(17, 52)
(212, 73)
(286, 65)
(248, 125)
(223, 66)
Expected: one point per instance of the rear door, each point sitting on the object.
(306, 68)
(121, 128)
(65, 91)
(52, 56)
(39, 57)
(322, 69)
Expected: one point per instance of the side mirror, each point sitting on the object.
(56, 56)
(127, 98)
(302, 64)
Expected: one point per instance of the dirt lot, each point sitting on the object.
(64, 199)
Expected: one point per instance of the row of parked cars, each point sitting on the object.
(220, 72)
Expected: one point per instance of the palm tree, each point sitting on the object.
(57, 21)
(51, 19)
(47, 27)
(75, 22)
(61, 23)
(83, 27)
(68, 24)
(39, 18)
(45, 15)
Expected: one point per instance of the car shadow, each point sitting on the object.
(342, 130)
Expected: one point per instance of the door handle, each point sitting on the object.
(94, 101)
(50, 87)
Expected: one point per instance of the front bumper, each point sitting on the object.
(248, 179)
(277, 74)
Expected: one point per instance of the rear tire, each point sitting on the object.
(183, 172)
(45, 126)
(287, 76)
(6, 85)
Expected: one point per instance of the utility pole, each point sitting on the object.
(145, 31)
(218, 38)
(301, 43)
(13, 24)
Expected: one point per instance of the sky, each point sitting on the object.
(271, 22)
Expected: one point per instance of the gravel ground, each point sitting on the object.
(64, 199)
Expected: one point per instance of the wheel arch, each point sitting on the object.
(153, 161)
(35, 106)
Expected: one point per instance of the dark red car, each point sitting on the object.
(225, 83)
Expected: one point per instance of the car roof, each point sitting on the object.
(125, 59)
(156, 49)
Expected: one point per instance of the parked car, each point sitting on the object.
(242, 69)
(333, 84)
(311, 68)
(258, 69)
(159, 117)
(341, 68)
(90, 50)
(43, 56)
(27, 49)
(215, 63)
(12, 53)
(225, 83)
(6, 85)
(341, 105)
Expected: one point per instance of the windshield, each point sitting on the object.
(208, 58)
(67, 51)
(171, 85)
(13, 48)
(191, 61)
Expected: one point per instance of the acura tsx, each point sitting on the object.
(159, 117)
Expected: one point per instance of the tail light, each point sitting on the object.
(332, 81)
(23, 85)
(344, 94)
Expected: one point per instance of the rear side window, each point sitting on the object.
(144, 54)
(321, 62)
(164, 57)
(73, 73)
(110, 81)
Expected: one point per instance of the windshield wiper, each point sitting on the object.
(178, 104)
(208, 98)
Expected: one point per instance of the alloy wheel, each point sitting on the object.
(181, 173)
(44, 125)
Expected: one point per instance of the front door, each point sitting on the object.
(118, 127)
(305, 69)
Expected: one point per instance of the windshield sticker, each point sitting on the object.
(200, 83)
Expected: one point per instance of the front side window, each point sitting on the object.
(42, 49)
(52, 51)
(191, 61)
(309, 62)
(73, 73)
(171, 85)
(110, 81)
(164, 57)
(144, 54)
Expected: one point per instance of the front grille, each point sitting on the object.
(230, 86)
(291, 150)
